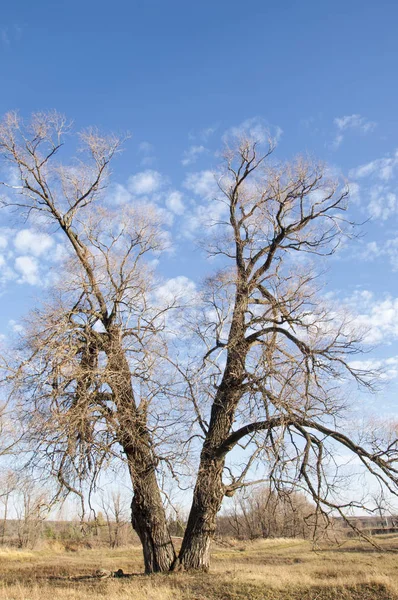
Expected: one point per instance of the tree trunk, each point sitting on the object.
(149, 521)
(201, 526)
(148, 516)
(209, 490)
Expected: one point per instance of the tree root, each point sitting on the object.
(98, 574)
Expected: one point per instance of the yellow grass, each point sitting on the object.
(262, 570)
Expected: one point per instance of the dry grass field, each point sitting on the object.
(283, 569)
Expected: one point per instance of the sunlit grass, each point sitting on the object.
(282, 569)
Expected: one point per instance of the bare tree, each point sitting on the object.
(262, 512)
(114, 507)
(11, 440)
(85, 375)
(268, 387)
(31, 504)
(8, 485)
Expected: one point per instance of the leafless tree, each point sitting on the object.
(114, 507)
(31, 504)
(262, 512)
(269, 385)
(86, 374)
(10, 446)
(8, 485)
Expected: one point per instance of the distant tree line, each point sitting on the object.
(263, 513)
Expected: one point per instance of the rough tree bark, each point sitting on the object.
(209, 489)
(148, 517)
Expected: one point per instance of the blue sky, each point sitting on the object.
(177, 75)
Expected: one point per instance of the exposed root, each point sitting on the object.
(98, 574)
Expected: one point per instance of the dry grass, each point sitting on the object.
(263, 570)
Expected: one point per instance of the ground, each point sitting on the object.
(263, 570)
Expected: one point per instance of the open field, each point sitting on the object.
(282, 569)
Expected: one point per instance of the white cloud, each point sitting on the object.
(386, 367)
(389, 249)
(174, 202)
(203, 134)
(173, 294)
(205, 216)
(377, 317)
(256, 129)
(33, 242)
(119, 194)
(211, 210)
(382, 168)
(146, 182)
(378, 186)
(6, 273)
(179, 290)
(15, 326)
(147, 151)
(167, 218)
(370, 251)
(207, 132)
(338, 140)
(3, 241)
(28, 267)
(191, 155)
(59, 253)
(383, 203)
(353, 122)
(173, 199)
(202, 183)
(354, 190)
(145, 148)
